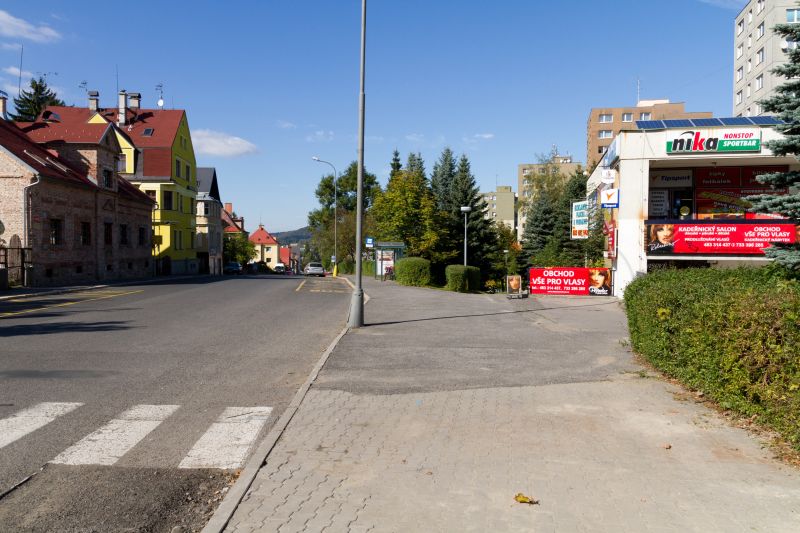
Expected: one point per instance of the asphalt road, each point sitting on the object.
(134, 406)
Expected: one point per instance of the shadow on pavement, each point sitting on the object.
(55, 374)
(62, 327)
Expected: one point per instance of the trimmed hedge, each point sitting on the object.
(462, 278)
(734, 334)
(347, 266)
(414, 271)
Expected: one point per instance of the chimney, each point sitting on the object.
(229, 207)
(3, 106)
(134, 99)
(123, 108)
(94, 101)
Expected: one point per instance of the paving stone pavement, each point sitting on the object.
(615, 453)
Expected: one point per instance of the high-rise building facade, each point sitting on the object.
(606, 122)
(757, 50)
(502, 206)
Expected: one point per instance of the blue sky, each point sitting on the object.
(269, 84)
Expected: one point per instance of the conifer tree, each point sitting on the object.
(538, 228)
(571, 251)
(481, 237)
(444, 170)
(785, 104)
(396, 165)
(415, 164)
(32, 102)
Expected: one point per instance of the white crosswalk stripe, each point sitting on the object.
(228, 441)
(28, 420)
(106, 445)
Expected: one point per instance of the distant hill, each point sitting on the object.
(288, 237)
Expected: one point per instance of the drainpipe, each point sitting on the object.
(25, 211)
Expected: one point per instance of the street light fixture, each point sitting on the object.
(335, 212)
(465, 209)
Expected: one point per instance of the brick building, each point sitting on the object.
(65, 201)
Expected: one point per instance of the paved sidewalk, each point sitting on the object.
(446, 405)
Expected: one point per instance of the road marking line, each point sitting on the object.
(4, 315)
(23, 422)
(300, 286)
(106, 445)
(228, 441)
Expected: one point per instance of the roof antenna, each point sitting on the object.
(160, 90)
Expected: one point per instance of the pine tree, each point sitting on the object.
(396, 165)
(32, 102)
(571, 252)
(415, 164)
(785, 104)
(538, 228)
(481, 237)
(444, 170)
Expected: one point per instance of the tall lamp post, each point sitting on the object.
(465, 209)
(335, 213)
(356, 319)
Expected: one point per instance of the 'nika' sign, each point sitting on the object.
(715, 141)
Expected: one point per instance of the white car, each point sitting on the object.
(314, 269)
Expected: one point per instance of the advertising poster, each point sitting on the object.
(514, 285)
(580, 220)
(720, 238)
(573, 281)
(609, 198)
(384, 260)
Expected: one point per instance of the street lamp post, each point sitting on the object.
(356, 319)
(335, 213)
(465, 209)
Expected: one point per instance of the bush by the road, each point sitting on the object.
(733, 334)
(414, 271)
(462, 278)
(347, 266)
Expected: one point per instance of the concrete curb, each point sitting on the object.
(224, 513)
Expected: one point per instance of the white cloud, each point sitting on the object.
(10, 46)
(285, 125)
(320, 136)
(735, 5)
(11, 26)
(484, 136)
(415, 137)
(14, 71)
(475, 139)
(10, 88)
(210, 142)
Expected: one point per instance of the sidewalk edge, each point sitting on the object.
(223, 514)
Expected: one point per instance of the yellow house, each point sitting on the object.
(158, 157)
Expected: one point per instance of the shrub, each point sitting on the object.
(414, 271)
(734, 334)
(456, 278)
(347, 266)
(462, 278)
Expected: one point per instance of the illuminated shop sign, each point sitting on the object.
(721, 238)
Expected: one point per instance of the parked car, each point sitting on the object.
(232, 268)
(280, 268)
(314, 269)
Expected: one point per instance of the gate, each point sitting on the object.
(14, 259)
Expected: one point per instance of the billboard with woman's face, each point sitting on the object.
(739, 238)
(577, 281)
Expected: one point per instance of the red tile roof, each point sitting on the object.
(37, 157)
(286, 255)
(232, 226)
(64, 124)
(164, 122)
(262, 236)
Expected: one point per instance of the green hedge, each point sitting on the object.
(347, 266)
(734, 334)
(414, 271)
(462, 278)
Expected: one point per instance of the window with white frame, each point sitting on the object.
(750, 16)
(739, 51)
(606, 118)
(747, 112)
(749, 65)
(760, 31)
(749, 40)
(747, 91)
(605, 134)
(739, 97)
(739, 27)
(793, 15)
(756, 109)
(760, 56)
(627, 117)
(739, 73)
(760, 6)
(645, 116)
(759, 82)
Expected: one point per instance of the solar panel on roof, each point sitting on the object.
(706, 122)
(650, 124)
(766, 121)
(678, 123)
(736, 121)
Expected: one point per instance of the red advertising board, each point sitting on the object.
(719, 238)
(574, 281)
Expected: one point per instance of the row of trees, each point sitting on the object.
(424, 212)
